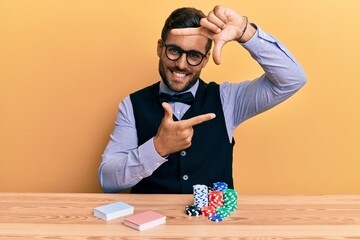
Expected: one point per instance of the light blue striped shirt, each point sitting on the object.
(124, 163)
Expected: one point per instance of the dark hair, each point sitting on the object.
(184, 18)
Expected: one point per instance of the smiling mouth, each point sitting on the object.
(179, 74)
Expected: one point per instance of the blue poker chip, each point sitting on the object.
(220, 186)
(216, 218)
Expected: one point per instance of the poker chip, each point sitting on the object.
(216, 198)
(230, 199)
(220, 186)
(223, 211)
(216, 218)
(208, 211)
(200, 195)
(215, 202)
(192, 210)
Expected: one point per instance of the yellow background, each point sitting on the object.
(65, 66)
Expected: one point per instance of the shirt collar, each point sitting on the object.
(163, 88)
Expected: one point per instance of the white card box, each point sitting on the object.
(114, 210)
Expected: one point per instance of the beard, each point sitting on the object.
(187, 86)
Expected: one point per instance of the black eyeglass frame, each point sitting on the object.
(182, 51)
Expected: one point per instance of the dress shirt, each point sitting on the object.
(124, 163)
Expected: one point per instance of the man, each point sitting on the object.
(166, 140)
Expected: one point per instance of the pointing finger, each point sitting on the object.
(197, 120)
(190, 31)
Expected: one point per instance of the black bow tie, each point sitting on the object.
(186, 98)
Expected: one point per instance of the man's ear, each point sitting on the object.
(205, 60)
(159, 47)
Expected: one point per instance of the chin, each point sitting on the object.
(176, 88)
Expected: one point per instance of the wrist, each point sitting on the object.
(247, 33)
(159, 149)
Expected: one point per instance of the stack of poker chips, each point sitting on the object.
(200, 199)
(216, 198)
(208, 211)
(230, 199)
(216, 203)
(200, 195)
(220, 186)
(193, 210)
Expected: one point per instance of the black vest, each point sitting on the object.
(207, 160)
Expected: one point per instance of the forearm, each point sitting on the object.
(124, 170)
(280, 66)
(119, 173)
(124, 163)
(283, 77)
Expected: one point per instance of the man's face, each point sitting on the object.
(179, 75)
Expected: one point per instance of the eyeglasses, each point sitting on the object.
(174, 53)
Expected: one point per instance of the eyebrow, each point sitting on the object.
(193, 50)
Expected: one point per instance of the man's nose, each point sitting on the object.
(181, 62)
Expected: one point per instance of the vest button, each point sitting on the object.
(185, 177)
(183, 153)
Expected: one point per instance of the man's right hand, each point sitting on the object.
(173, 136)
(222, 25)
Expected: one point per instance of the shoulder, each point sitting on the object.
(208, 86)
(147, 89)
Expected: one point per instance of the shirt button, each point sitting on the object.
(183, 153)
(185, 177)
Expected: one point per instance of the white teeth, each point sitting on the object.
(181, 75)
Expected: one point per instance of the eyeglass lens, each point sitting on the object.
(174, 53)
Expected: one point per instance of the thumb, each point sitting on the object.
(168, 111)
(217, 51)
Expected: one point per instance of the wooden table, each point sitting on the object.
(70, 216)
